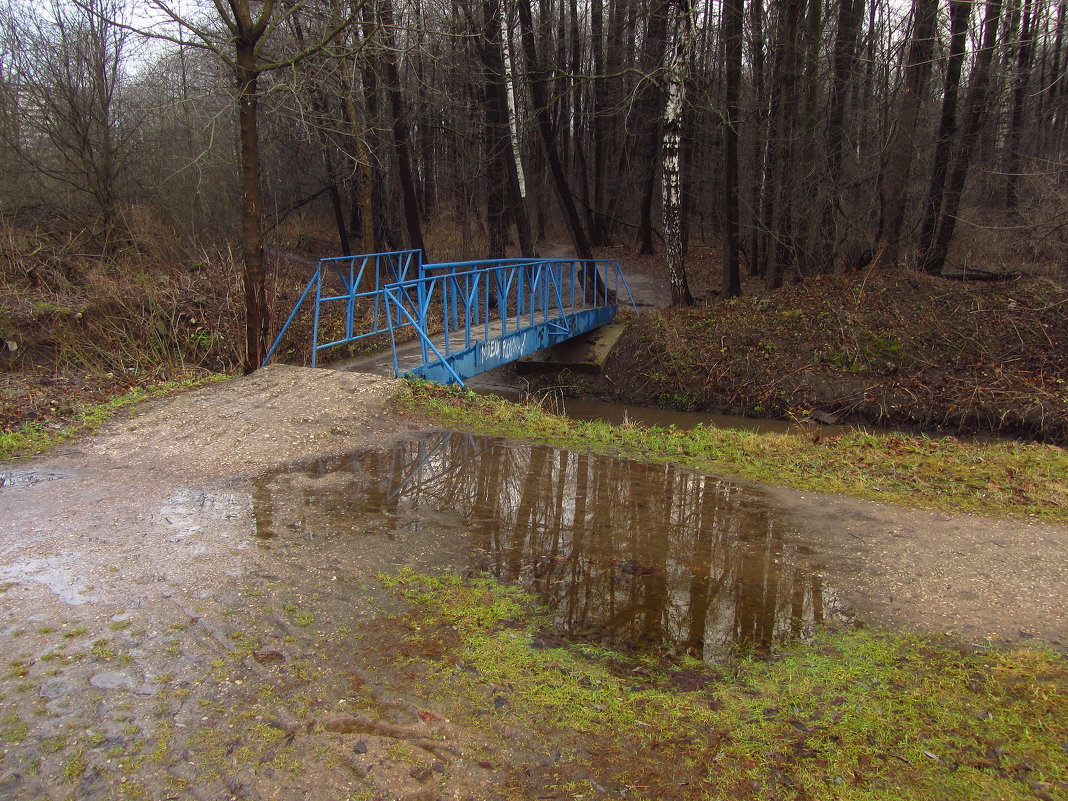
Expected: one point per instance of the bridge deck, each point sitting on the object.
(407, 357)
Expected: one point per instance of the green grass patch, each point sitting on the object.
(995, 479)
(33, 438)
(852, 715)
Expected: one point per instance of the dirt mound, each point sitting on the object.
(276, 415)
(891, 348)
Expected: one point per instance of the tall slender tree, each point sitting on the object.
(975, 110)
(734, 14)
(904, 144)
(539, 90)
(676, 66)
(959, 15)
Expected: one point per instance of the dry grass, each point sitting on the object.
(887, 348)
(77, 327)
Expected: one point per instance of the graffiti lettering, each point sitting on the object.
(502, 350)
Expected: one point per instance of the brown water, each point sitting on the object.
(620, 413)
(624, 553)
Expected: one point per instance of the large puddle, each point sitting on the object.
(624, 554)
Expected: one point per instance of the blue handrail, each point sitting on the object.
(502, 308)
(352, 272)
(536, 297)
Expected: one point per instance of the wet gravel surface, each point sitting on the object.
(156, 645)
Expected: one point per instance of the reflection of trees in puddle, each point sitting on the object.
(622, 552)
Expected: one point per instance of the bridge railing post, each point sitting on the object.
(350, 304)
(315, 321)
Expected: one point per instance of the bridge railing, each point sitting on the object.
(362, 279)
(490, 300)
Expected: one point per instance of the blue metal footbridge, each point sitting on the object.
(450, 321)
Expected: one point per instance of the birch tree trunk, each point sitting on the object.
(517, 181)
(676, 62)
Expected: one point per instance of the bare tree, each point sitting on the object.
(401, 145)
(1020, 80)
(245, 36)
(64, 119)
(734, 14)
(903, 146)
(538, 79)
(975, 109)
(960, 13)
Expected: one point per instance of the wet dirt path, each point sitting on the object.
(182, 618)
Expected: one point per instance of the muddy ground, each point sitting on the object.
(159, 645)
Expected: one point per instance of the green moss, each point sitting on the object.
(996, 479)
(74, 766)
(54, 744)
(12, 728)
(300, 617)
(102, 650)
(852, 715)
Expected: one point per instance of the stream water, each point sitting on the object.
(583, 408)
(624, 554)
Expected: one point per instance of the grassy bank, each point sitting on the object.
(853, 715)
(31, 438)
(998, 479)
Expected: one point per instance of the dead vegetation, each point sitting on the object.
(892, 348)
(77, 326)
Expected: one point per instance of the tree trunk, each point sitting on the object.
(400, 131)
(512, 161)
(497, 139)
(254, 277)
(650, 108)
(364, 196)
(757, 259)
(816, 253)
(975, 109)
(1019, 99)
(850, 18)
(599, 225)
(538, 91)
(903, 148)
(676, 63)
(731, 286)
(959, 15)
(781, 255)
